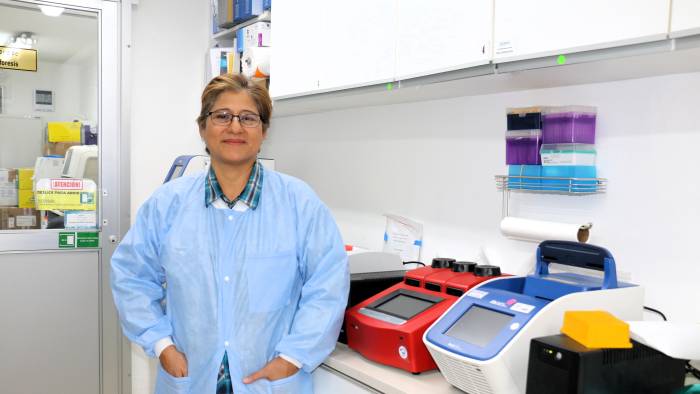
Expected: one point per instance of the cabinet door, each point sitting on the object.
(685, 18)
(358, 42)
(527, 29)
(297, 53)
(431, 39)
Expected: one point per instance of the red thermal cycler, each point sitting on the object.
(388, 327)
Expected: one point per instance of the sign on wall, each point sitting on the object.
(18, 58)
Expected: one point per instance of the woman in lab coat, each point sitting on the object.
(236, 278)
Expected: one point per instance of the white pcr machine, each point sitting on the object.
(481, 344)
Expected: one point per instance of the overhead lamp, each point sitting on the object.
(24, 40)
(50, 10)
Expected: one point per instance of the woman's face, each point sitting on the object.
(233, 144)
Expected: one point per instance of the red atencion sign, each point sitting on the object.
(66, 184)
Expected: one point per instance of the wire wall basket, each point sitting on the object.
(536, 184)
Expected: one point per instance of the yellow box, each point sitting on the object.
(596, 329)
(26, 199)
(64, 131)
(25, 178)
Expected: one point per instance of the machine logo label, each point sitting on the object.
(499, 303)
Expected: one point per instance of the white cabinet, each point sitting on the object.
(320, 46)
(685, 18)
(358, 43)
(296, 53)
(527, 29)
(444, 36)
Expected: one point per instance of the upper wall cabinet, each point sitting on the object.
(432, 39)
(320, 46)
(296, 53)
(685, 18)
(528, 29)
(357, 43)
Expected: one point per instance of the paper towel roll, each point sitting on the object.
(255, 62)
(537, 230)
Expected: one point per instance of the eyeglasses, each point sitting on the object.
(225, 118)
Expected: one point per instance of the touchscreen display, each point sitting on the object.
(404, 306)
(479, 326)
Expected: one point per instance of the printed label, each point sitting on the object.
(403, 352)
(477, 294)
(66, 184)
(25, 221)
(523, 308)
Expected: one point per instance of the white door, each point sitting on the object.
(444, 36)
(60, 83)
(685, 18)
(528, 29)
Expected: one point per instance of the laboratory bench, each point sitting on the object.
(347, 368)
(347, 372)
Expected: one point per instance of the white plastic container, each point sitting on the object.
(568, 155)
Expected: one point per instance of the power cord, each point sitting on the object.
(413, 262)
(689, 369)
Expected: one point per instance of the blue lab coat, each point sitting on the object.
(255, 283)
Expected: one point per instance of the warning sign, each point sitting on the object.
(66, 194)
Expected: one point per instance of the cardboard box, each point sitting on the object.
(24, 178)
(254, 35)
(246, 9)
(8, 187)
(58, 148)
(25, 199)
(19, 219)
(225, 14)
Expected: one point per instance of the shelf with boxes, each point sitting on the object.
(69, 153)
(551, 150)
(241, 39)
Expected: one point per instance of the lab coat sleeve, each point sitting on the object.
(137, 281)
(324, 294)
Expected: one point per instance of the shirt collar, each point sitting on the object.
(249, 196)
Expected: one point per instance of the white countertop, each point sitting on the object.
(386, 379)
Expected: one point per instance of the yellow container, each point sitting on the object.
(25, 178)
(26, 199)
(596, 329)
(64, 131)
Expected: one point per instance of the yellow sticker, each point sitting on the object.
(18, 59)
(66, 194)
(64, 131)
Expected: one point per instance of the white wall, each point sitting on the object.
(170, 39)
(435, 162)
(65, 80)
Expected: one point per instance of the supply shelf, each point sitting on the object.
(554, 185)
(547, 185)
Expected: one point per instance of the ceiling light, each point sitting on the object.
(49, 10)
(23, 40)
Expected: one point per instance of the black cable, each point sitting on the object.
(689, 369)
(413, 262)
(656, 311)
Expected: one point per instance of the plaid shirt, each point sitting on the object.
(250, 196)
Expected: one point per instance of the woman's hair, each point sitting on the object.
(235, 83)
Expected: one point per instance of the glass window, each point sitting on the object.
(49, 164)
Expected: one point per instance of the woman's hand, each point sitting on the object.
(276, 369)
(173, 362)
